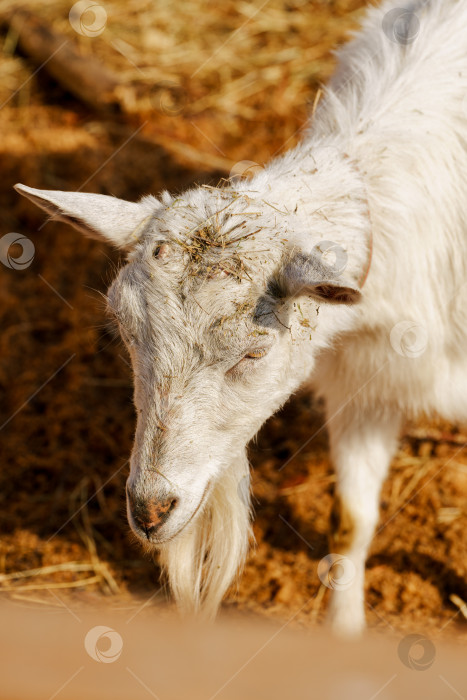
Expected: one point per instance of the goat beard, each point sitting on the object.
(204, 559)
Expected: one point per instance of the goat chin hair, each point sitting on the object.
(201, 563)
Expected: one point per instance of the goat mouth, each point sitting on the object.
(159, 541)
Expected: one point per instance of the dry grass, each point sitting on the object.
(209, 69)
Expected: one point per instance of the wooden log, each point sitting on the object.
(91, 82)
(82, 76)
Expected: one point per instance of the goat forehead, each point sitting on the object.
(205, 292)
(211, 232)
(199, 319)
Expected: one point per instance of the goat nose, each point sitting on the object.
(150, 515)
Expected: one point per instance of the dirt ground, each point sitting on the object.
(231, 84)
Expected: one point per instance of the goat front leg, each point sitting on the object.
(362, 445)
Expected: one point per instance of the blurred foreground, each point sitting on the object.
(97, 655)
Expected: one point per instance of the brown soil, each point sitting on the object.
(66, 435)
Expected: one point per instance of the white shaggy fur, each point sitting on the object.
(220, 338)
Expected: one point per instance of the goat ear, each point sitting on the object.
(96, 215)
(309, 275)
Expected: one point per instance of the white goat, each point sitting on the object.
(224, 302)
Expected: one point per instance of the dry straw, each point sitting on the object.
(199, 74)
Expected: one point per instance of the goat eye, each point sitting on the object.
(255, 354)
(162, 250)
(247, 360)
